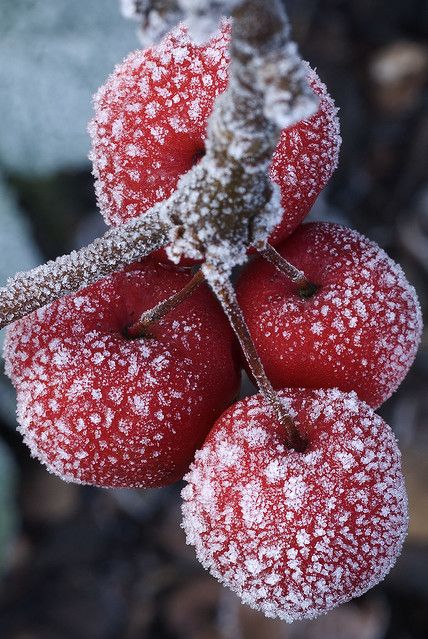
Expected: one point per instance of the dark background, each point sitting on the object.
(96, 564)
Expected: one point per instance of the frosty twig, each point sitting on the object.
(305, 287)
(118, 247)
(142, 326)
(227, 202)
(236, 203)
(227, 297)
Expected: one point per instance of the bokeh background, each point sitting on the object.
(82, 563)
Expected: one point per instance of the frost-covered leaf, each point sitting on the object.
(54, 54)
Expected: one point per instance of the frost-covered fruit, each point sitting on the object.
(101, 409)
(296, 534)
(150, 126)
(359, 331)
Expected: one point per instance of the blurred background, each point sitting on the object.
(94, 564)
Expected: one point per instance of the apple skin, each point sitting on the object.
(101, 409)
(296, 534)
(150, 124)
(359, 332)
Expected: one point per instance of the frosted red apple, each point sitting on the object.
(360, 331)
(150, 125)
(296, 534)
(101, 409)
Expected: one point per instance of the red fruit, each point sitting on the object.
(100, 409)
(150, 126)
(360, 331)
(296, 534)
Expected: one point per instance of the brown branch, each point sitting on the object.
(225, 203)
(306, 288)
(231, 190)
(225, 293)
(142, 326)
(118, 247)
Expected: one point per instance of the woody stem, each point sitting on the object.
(140, 328)
(227, 297)
(306, 288)
(119, 246)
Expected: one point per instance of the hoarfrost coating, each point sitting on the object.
(296, 534)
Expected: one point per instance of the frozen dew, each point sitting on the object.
(296, 534)
(98, 408)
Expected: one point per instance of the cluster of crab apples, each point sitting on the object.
(294, 533)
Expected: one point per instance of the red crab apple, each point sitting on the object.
(296, 534)
(150, 125)
(359, 331)
(101, 409)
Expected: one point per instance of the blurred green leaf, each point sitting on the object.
(54, 55)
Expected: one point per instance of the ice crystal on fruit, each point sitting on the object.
(295, 534)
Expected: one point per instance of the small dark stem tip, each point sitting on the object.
(129, 332)
(198, 155)
(307, 290)
(298, 443)
(141, 328)
(293, 439)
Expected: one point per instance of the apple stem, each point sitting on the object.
(227, 297)
(140, 328)
(306, 288)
